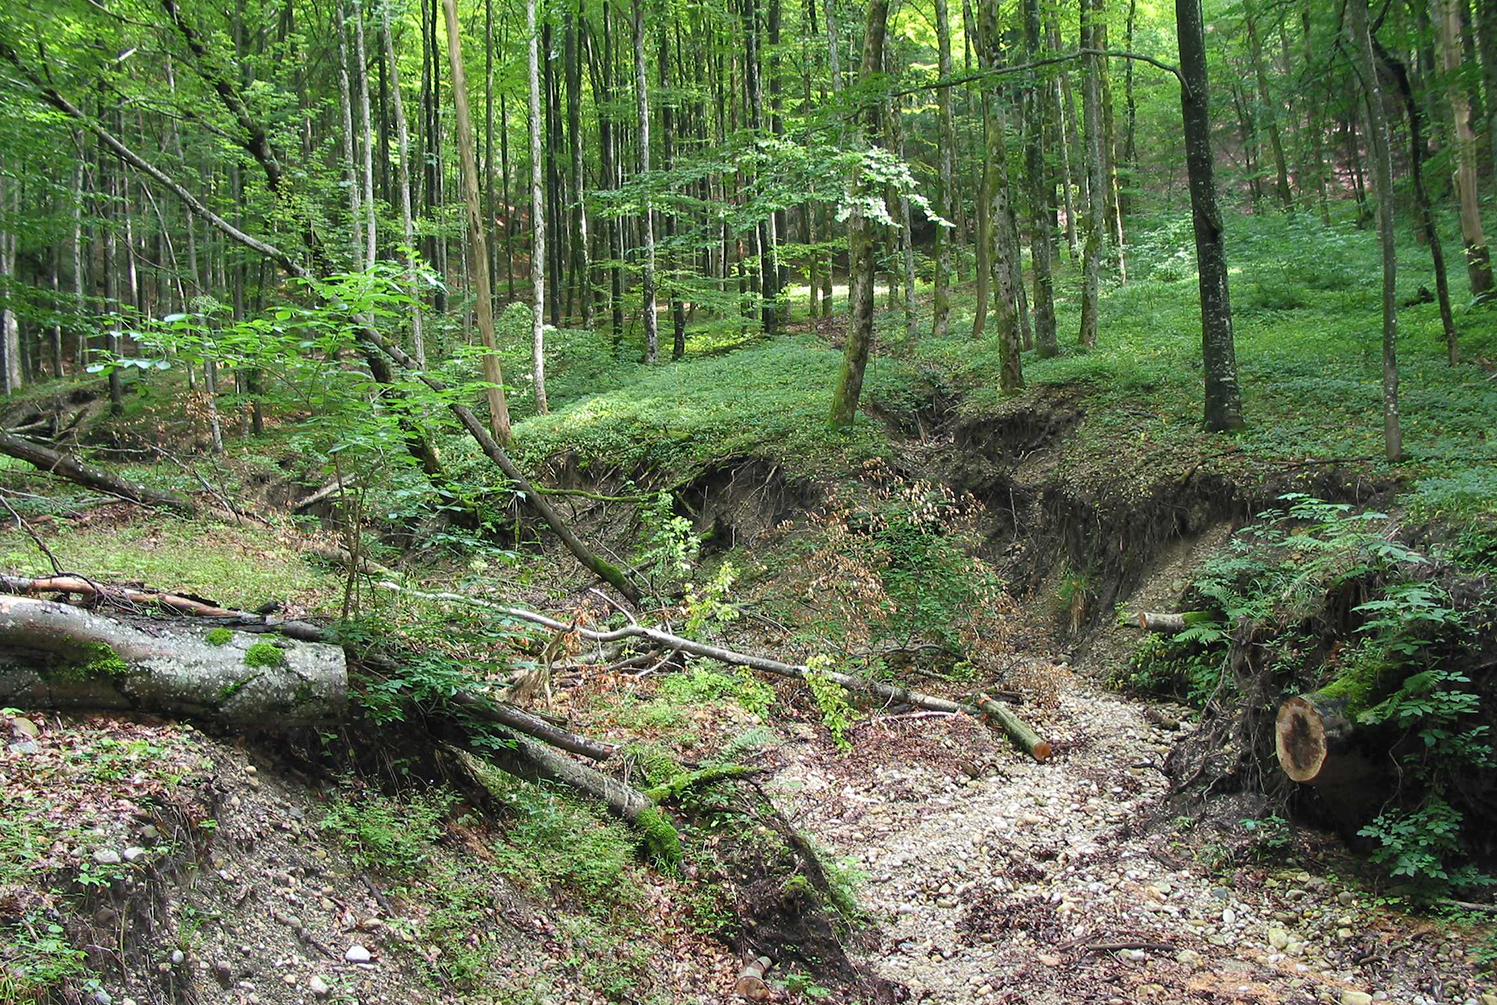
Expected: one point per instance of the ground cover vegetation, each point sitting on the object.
(701, 377)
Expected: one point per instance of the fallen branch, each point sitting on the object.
(1017, 729)
(69, 583)
(68, 467)
(1171, 622)
(524, 722)
(1036, 747)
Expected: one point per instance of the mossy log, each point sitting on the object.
(1171, 623)
(56, 656)
(1023, 737)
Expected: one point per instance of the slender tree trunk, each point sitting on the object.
(1417, 152)
(80, 359)
(1073, 176)
(478, 260)
(1113, 244)
(1382, 163)
(10, 328)
(350, 161)
(1478, 257)
(1003, 253)
(1034, 163)
(581, 266)
(1096, 182)
(1271, 119)
(668, 155)
(408, 227)
(947, 195)
(361, 68)
(1223, 400)
(642, 106)
(1130, 152)
(860, 251)
(509, 206)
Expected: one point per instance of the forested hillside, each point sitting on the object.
(657, 501)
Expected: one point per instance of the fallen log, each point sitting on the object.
(61, 657)
(1171, 622)
(68, 467)
(521, 720)
(1025, 738)
(1313, 738)
(750, 983)
(888, 692)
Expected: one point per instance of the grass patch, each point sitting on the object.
(239, 567)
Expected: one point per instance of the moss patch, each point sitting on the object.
(219, 637)
(96, 661)
(264, 654)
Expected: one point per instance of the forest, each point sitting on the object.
(653, 501)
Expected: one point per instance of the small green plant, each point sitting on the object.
(836, 713)
(218, 637)
(264, 654)
(709, 613)
(798, 983)
(38, 961)
(715, 682)
(1418, 846)
(1271, 833)
(671, 546)
(391, 836)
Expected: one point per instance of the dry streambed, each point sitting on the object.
(997, 879)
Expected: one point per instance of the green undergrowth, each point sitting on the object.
(770, 400)
(1317, 597)
(237, 566)
(1307, 321)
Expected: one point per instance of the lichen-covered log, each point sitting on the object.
(61, 657)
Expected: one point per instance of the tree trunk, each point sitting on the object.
(1417, 153)
(581, 266)
(647, 221)
(350, 168)
(477, 238)
(860, 250)
(1223, 404)
(1036, 105)
(63, 657)
(537, 207)
(408, 227)
(1072, 180)
(1095, 173)
(361, 71)
(1478, 257)
(947, 194)
(1275, 138)
(1361, 41)
(1002, 254)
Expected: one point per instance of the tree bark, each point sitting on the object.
(1417, 153)
(537, 206)
(1036, 105)
(1223, 400)
(361, 71)
(1366, 61)
(478, 239)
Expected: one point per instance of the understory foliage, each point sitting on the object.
(892, 573)
(1318, 597)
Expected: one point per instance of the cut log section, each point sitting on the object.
(1170, 623)
(751, 983)
(1018, 730)
(61, 657)
(1313, 740)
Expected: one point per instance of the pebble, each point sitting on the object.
(318, 986)
(177, 957)
(1356, 998)
(107, 856)
(358, 954)
(134, 853)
